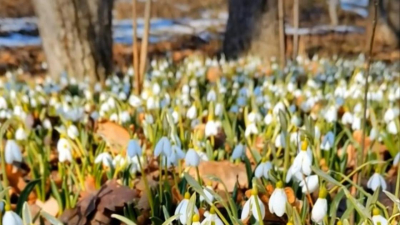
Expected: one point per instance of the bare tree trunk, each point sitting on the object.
(77, 37)
(252, 27)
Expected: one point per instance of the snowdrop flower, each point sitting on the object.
(320, 207)
(134, 148)
(120, 162)
(238, 152)
(302, 162)
(331, 114)
(280, 141)
(209, 195)
(196, 220)
(277, 201)
(396, 160)
(356, 124)
(391, 127)
(211, 96)
(72, 131)
(373, 134)
(64, 150)
(104, 158)
(328, 141)
(3, 103)
(20, 134)
(376, 181)
(11, 218)
(211, 128)
(134, 101)
(250, 207)
(182, 210)
(268, 118)
(263, 169)
(134, 164)
(251, 128)
(12, 152)
(163, 146)
(114, 117)
(309, 184)
(192, 158)
(377, 218)
(347, 118)
(192, 112)
(211, 218)
(390, 114)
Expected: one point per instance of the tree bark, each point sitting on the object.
(253, 27)
(77, 37)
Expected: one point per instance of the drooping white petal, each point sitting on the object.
(277, 202)
(134, 148)
(319, 210)
(11, 218)
(192, 158)
(310, 185)
(245, 210)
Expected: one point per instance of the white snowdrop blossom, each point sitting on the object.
(12, 152)
(263, 169)
(331, 114)
(391, 127)
(396, 160)
(72, 131)
(211, 128)
(320, 208)
(104, 158)
(309, 184)
(209, 195)
(250, 207)
(64, 150)
(277, 201)
(268, 118)
(302, 162)
(182, 209)
(347, 118)
(328, 141)
(211, 218)
(192, 158)
(134, 148)
(192, 112)
(20, 134)
(238, 152)
(11, 218)
(163, 146)
(375, 181)
(377, 218)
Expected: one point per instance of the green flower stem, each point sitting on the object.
(5, 179)
(148, 190)
(198, 175)
(261, 222)
(397, 192)
(220, 215)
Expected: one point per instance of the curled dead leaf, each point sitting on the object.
(116, 136)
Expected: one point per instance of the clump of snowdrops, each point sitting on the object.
(294, 130)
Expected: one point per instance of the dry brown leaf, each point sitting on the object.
(228, 172)
(50, 206)
(213, 74)
(291, 197)
(116, 136)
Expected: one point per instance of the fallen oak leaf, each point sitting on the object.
(116, 136)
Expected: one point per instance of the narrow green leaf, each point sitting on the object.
(26, 214)
(25, 193)
(358, 207)
(123, 219)
(50, 218)
(170, 220)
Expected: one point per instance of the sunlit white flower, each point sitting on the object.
(268, 118)
(328, 141)
(280, 141)
(302, 162)
(104, 158)
(20, 134)
(347, 118)
(238, 152)
(377, 218)
(134, 164)
(309, 184)
(391, 127)
(192, 112)
(211, 96)
(135, 101)
(320, 207)
(120, 161)
(11, 218)
(182, 209)
(356, 124)
(163, 146)
(390, 114)
(250, 207)
(192, 158)
(12, 152)
(331, 114)
(373, 134)
(211, 128)
(211, 218)
(263, 169)
(208, 194)
(64, 150)
(114, 117)
(72, 131)
(277, 201)
(375, 181)
(3, 103)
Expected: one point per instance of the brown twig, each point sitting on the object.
(145, 40)
(332, 12)
(281, 15)
(296, 27)
(135, 49)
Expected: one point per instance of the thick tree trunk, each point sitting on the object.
(77, 37)
(253, 27)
